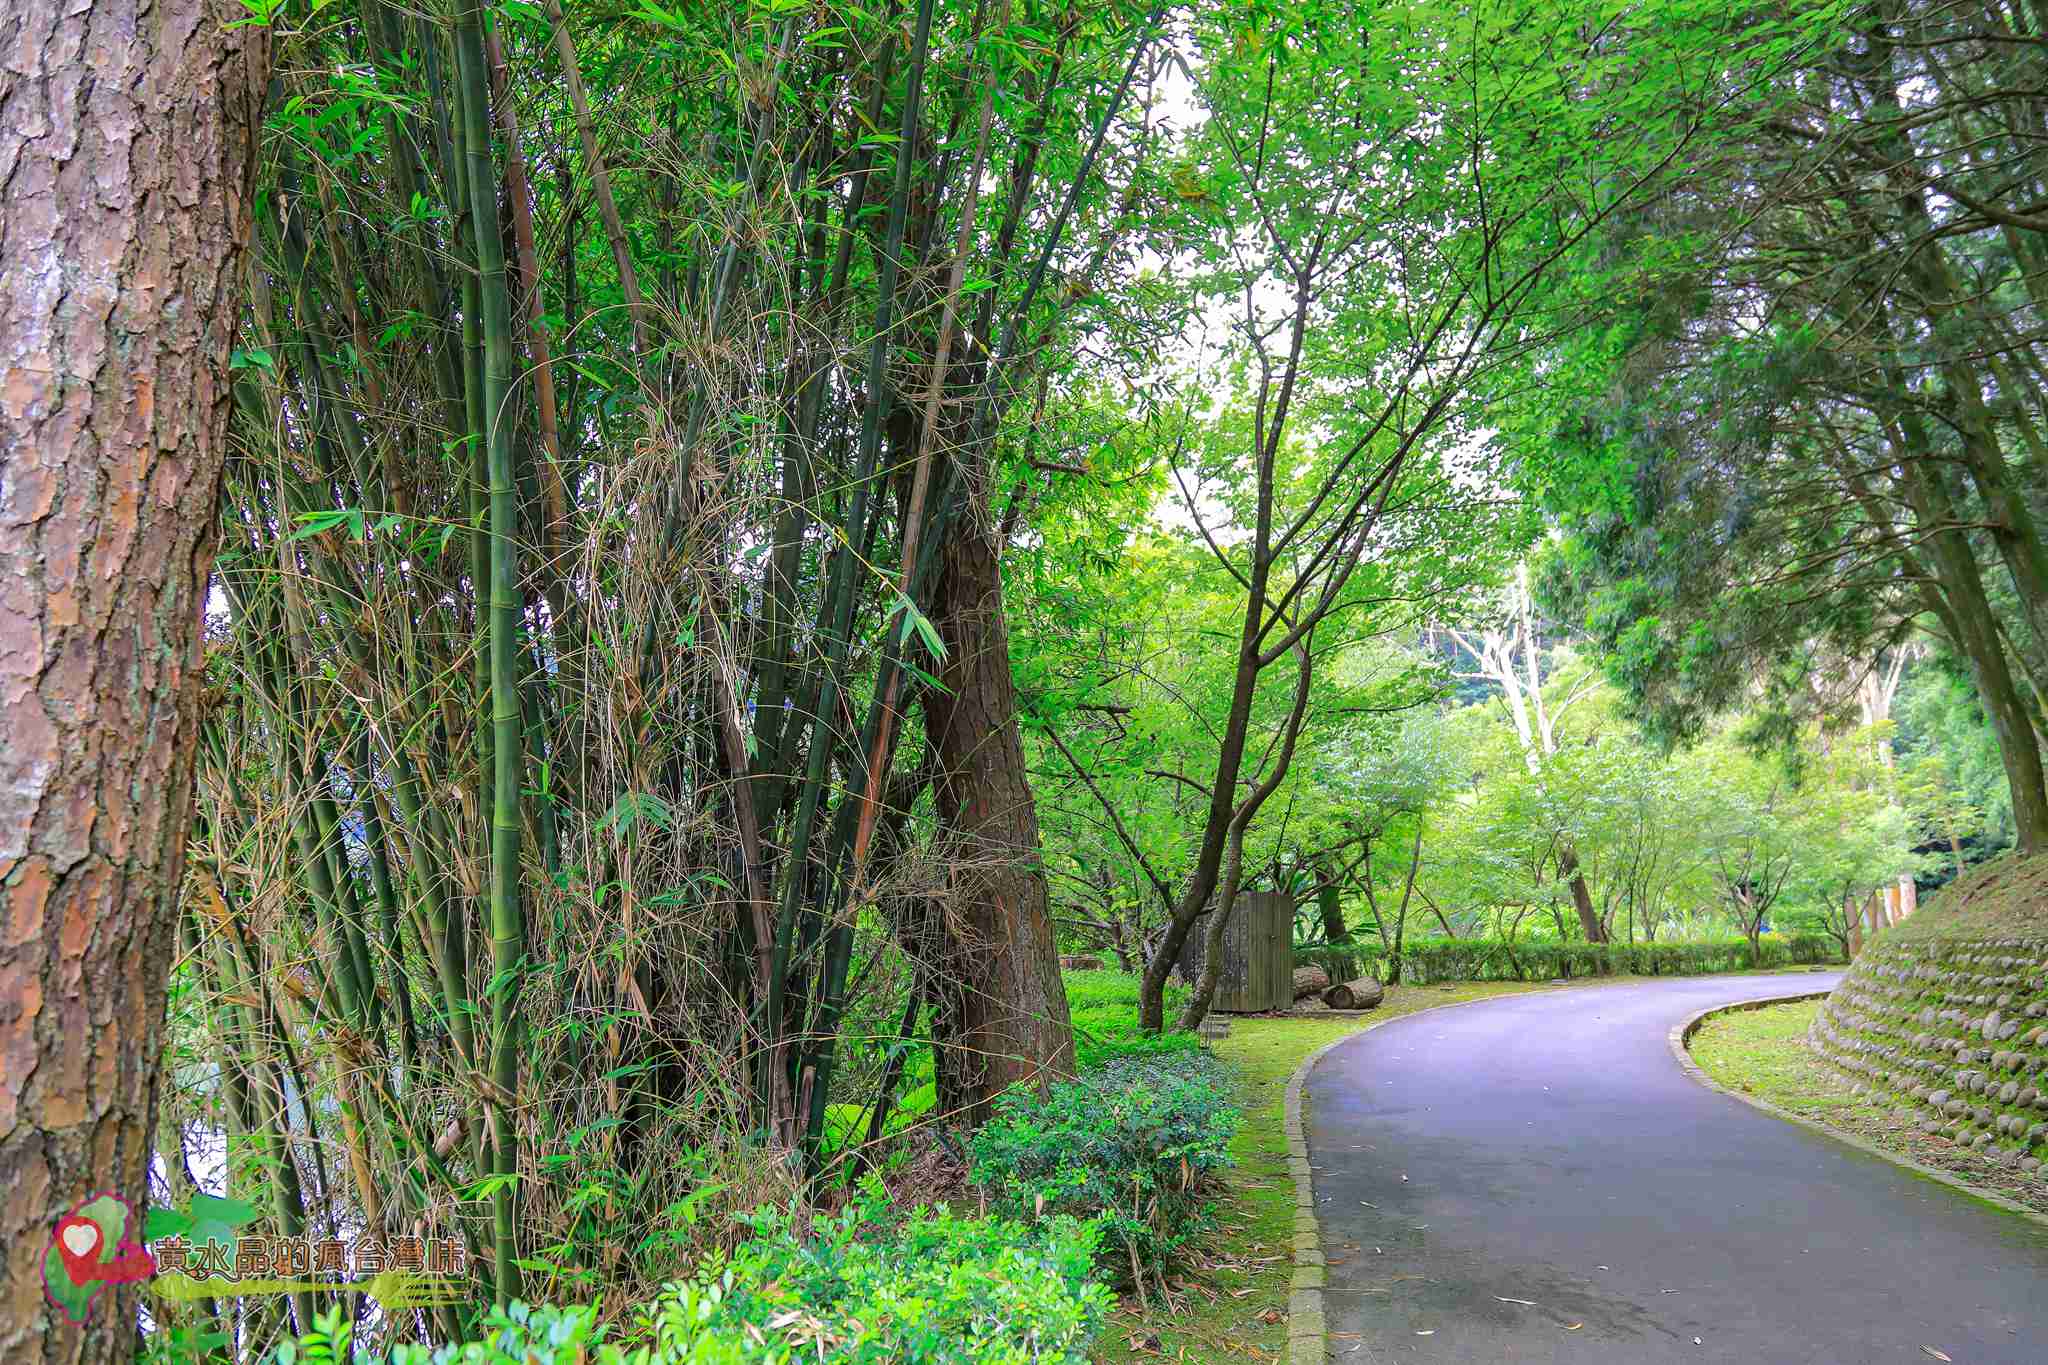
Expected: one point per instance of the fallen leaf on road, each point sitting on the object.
(1426, 1332)
(1573, 1326)
(1695, 1341)
(1526, 1303)
(1938, 1355)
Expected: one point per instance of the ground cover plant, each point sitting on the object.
(1135, 1145)
(867, 1286)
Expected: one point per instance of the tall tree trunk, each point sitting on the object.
(1965, 613)
(1012, 1023)
(1329, 905)
(1201, 883)
(127, 130)
(1582, 898)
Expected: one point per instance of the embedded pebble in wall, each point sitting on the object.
(1942, 1021)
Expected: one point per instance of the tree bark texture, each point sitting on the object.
(127, 137)
(1964, 609)
(1362, 994)
(1582, 898)
(1012, 1023)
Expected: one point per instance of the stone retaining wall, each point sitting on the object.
(1954, 1032)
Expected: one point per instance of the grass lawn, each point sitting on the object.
(1233, 1306)
(1764, 1053)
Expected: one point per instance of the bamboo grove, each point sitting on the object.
(621, 427)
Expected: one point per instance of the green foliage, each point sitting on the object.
(1496, 959)
(1133, 1144)
(861, 1290)
(846, 1124)
(1943, 736)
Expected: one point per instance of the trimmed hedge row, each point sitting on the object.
(1492, 959)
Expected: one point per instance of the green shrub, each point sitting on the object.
(936, 1290)
(846, 1125)
(1134, 1144)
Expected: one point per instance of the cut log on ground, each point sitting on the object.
(1075, 963)
(1310, 981)
(1362, 994)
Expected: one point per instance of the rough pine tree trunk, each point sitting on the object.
(1012, 1023)
(127, 133)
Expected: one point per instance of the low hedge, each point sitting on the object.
(936, 1290)
(1491, 959)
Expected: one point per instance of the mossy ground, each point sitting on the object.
(1764, 1053)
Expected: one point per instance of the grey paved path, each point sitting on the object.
(1547, 1147)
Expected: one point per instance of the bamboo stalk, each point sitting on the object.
(600, 181)
(840, 590)
(508, 929)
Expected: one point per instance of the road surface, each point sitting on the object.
(1548, 1148)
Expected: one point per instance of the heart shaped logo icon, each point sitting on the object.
(94, 1247)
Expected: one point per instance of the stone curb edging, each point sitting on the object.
(1308, 1331)
(1681, 1039)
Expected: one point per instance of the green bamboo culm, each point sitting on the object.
(838, 607)
(507, 920)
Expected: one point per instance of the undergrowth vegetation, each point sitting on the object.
(1134, 1145)
(866, 1287)
(1104, 1006)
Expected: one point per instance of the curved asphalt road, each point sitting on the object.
(1547, 1147)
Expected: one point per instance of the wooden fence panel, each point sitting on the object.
(1258, 954)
